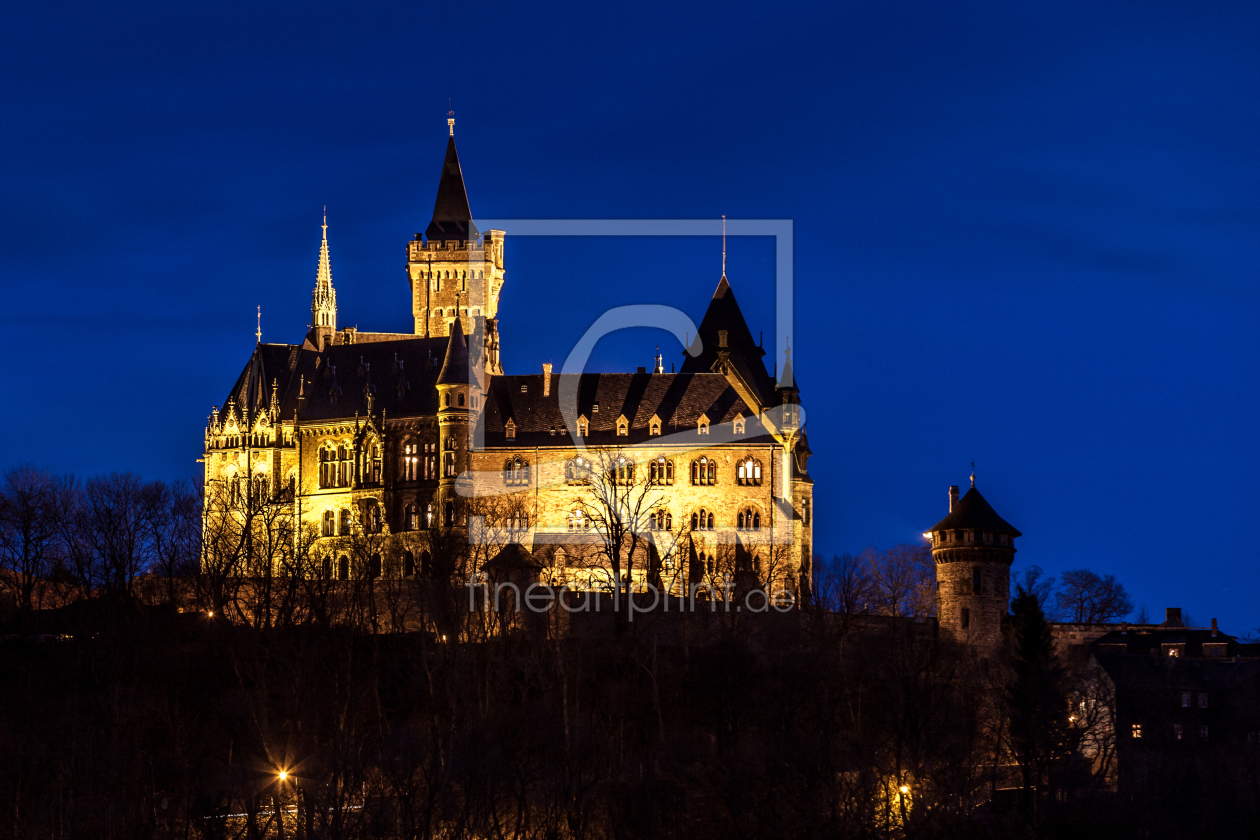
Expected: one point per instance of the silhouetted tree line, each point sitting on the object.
(394, 711)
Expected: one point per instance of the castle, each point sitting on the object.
(353, 433)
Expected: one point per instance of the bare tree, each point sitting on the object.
(619, 503)
(29, 528)
(902, 580)
(1086, 598)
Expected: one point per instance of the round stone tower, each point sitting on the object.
(973, 548)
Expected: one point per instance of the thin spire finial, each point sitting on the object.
(325, 222)
(723, 244)
(973, 473)
(258, 332)
(450, 116)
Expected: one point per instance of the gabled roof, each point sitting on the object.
(399, 375)
(452, 218)
(972, 511)
(678, 399)
(745, 354)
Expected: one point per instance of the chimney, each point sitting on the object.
(953, 497)
(1214, 628)
(546, 379)
(1172, 617)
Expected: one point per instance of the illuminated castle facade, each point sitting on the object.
(395, 435)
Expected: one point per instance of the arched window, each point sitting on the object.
(410, 519)
(374, 462)
(584, 427)
(577, 521)
(461, 400)
(447, 400)
(428, 515)
(409, 564)
(409, 468)
(577, 471)
(373, 517)
(749, 520)
(343, 568)
(259, 488)
(623, 471)
(661, 520)
(704, 471)
(344, 466)
(517, 522)
(516, 472)
(330, 524)
(748, 472)
(806, 510)
(661, 471)
(702, 521)
(328, 567)
(374, 567)
(345, 523)
(326, 467)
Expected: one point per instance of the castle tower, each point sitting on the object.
(460, 397)
(455, 270)
(973, 548)
(324, 299)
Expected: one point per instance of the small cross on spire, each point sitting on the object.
(973, 473)
(258, 332)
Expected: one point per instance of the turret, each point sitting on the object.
(459, 399)
(456, 270)
(973, 548)
(324, 299)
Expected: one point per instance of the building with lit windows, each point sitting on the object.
(362, 433)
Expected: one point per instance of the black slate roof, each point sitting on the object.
(452, 218)
(455, 369)
(745, 354)
(678, 399)
(972, 511)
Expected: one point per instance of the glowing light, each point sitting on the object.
(904, 789)
(210, 613)
(284, 774)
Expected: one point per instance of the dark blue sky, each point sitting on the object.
(1024, 236)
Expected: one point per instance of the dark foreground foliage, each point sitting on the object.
(152, 723)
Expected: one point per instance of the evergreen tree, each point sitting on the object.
(1038, 716)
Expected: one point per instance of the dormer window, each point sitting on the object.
(739, 425)
(524, 389)
(654, 425)
(623, 426)
(583, 426)
(702, 425)
(509, 430)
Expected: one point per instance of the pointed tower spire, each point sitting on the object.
(258, 332)
(324, 299)
(452, 218)
(455, 367)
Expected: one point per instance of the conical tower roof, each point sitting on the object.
(455, 367)
(452, 218)
(972, 511)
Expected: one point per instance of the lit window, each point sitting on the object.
(577, 471)
(516, 472)
(509, 429)
(1137, 730)
(661, 471)
(748, 472)
(704, 471)
(1185, 699)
